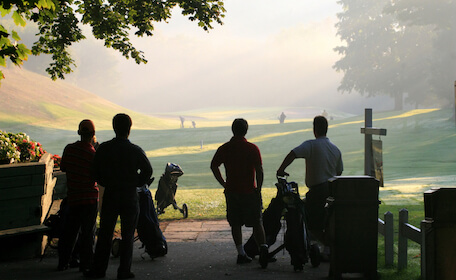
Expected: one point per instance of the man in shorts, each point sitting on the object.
(243, 166)
(323, 161)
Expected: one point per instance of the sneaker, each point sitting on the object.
(241, 259)
(264, 256)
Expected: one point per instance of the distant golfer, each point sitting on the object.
(242, 162)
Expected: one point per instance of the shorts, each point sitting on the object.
(315, 206)
(243, 209)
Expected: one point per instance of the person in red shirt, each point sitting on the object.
(243, 166)
(82, 199)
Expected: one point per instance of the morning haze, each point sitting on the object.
(270, 55)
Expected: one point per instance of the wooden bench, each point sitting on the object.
(23, 230)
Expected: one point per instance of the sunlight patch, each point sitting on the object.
(410, 190)
(182, 150)
(403, 115)
(409, 114)
(272, 135)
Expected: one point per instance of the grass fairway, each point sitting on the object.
(418, 154)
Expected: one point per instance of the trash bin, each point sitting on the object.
(352, 227)
(439, 226)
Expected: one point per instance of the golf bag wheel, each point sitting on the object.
(115, 248)
(185, 210)
(314, 255)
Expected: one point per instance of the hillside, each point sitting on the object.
(32, 99)
(29, 99)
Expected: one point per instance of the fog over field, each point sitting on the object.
(265, 54)
(335, 55)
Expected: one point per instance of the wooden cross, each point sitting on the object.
(368, 131)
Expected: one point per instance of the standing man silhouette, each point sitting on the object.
(242, 162)
(120, 167)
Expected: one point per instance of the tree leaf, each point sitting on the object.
(4, 11)
(18, 19)
(15, 36)
(46, 4)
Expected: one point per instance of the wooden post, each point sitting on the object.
(368, 131)
(368, 143)
(402, 241)
(425, 226)
(389, 238)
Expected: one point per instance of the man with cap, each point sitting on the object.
(82, 199)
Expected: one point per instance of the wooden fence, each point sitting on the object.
(406, 232)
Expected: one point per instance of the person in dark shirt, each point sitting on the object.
(82, 199)
(243, 166)
(120, 167)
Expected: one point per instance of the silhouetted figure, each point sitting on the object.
(282, 118)
(323, 161)
(82, 198)
(182, 119)
(194, 124)
(120, 167)
(325, 114)
(243, 166)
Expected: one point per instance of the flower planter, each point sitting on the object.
(26, 191)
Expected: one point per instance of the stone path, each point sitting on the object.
(196, 250)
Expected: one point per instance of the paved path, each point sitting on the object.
(196, 250)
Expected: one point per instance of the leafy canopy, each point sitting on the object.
(398, 48)
(111, 21)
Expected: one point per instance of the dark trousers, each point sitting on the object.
(79, 223)
(315, 206)
(114, 205)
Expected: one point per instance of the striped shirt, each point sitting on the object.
(76, 161)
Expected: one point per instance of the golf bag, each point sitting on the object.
(148, 227)
(297, 242)
(272, 225)
(167, 187)
(287, 204)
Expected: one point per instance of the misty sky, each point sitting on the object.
(267, 53)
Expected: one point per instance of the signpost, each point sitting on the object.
(368, 131)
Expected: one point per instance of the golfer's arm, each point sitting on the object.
(217, 174)
(286, 162)
(259, 176)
